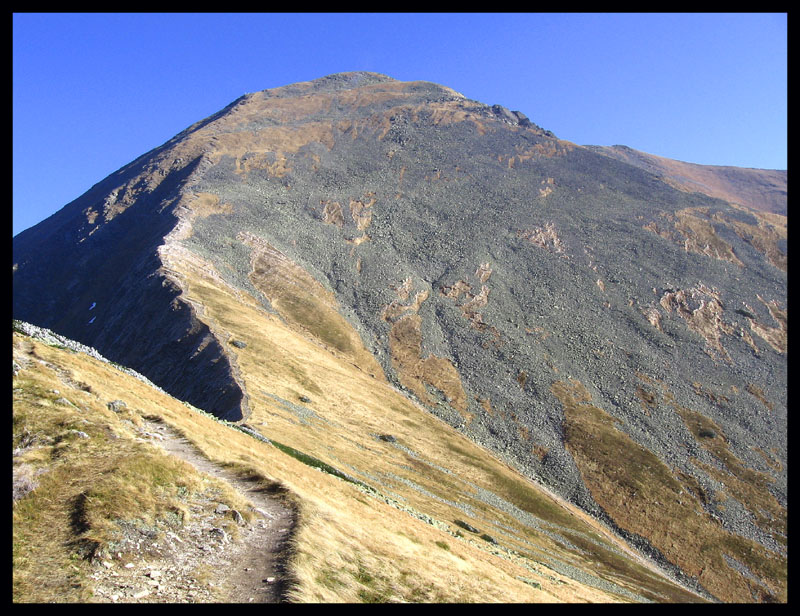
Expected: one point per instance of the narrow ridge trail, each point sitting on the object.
(251, 569)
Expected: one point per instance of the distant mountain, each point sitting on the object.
(586, 314)
(760, 189)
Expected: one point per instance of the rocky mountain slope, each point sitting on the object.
(765, 190)
(611, 337)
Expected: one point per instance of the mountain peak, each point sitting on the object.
(605, 332)
(331, 83)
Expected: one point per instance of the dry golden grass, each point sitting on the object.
(306, 305)
(90, 470)
(123, 479)
(351, 546)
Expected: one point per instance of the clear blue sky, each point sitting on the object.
(92, 92)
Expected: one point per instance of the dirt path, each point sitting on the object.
(256, 575)
(199, 562)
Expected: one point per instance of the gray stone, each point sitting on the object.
(237, 517)
(116, 406)
(466, 526)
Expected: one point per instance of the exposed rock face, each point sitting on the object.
(503, 277)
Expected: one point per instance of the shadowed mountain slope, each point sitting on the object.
(619, 340)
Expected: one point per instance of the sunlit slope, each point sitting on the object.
(84, 478)
(396, 540)
(288, 259)
(306, 396)
(646, 496)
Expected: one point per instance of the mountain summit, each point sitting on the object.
(610, 335)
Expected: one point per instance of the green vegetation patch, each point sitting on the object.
(374, 590)
(315, 463)
(317, 318)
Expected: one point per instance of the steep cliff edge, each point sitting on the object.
(92, 272)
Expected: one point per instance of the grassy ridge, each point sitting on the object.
(79, 472)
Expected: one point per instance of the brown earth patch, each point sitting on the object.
(91, 215)
(332, 213)
(361, 211)
(770, 460)
(275, 164)
(758, 394)
(646, 398)
(405, 344)
(765, 236)
(701, 237)
(703, 392)
(473, 302)
(652, 314)
(207, 204)
(645, 496)
(548, 184)
(550, 148)
(274, 142)
(748, 486)
(415, 372)
(483, 272)
(749, 340)
(486, 404)
(439, 114)
(305, 304)
(455, 290)
(539, 451)
(694, 228)
(543, 237)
